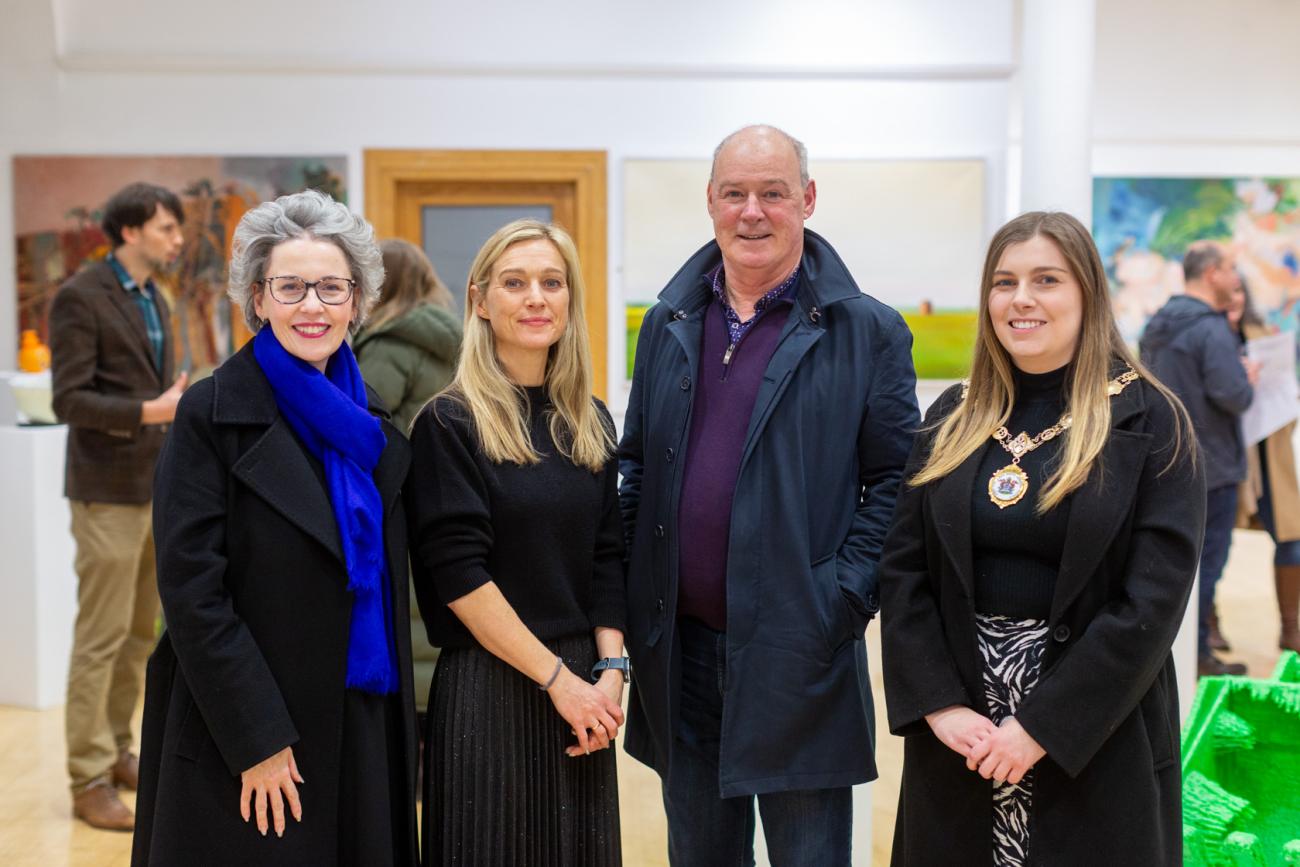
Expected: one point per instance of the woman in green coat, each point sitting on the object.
(407, 354)
(407, 351)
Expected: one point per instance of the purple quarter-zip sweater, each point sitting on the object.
(723, 405)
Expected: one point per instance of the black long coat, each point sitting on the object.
(1106, 705)
(254, 589)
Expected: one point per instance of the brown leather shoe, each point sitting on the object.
(1212, 666)
(126, 773)
(99, 806)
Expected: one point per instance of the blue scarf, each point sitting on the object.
(330, 415)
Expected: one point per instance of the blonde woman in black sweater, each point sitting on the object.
(517, 552)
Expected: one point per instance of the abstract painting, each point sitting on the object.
(1144, 225)
(59, 201)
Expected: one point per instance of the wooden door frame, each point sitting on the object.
(388, 171)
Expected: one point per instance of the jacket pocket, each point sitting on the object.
(1154, 710)
(192, 733)
(833, 609)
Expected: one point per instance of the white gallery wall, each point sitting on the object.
(886, 79)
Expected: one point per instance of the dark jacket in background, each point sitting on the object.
(1105, 708)
(830, 431)
(1190, 348)
(102, 368)
(253, 583)
(409, 359)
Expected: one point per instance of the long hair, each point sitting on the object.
(409, 281)
(991, 394)
(499, 406)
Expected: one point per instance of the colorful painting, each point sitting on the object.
(910, 231)
(1143, 226)
(59, 200)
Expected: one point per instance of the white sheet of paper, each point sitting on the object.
(1277, 395)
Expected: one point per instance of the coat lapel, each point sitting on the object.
(129, 310)
(951, 510)
(276, 467)
(797, 337)
(1097, 511)
(278, 470)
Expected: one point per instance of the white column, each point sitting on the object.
(1057, 42)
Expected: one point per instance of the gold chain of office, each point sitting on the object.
(1009, 485)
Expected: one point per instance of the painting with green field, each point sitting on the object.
(942, 340)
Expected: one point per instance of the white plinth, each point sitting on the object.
(38, 587)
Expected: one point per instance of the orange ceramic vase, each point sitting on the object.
(33, 356)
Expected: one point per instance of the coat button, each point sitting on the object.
(659, 531)
(686, 383)
(1061, 634)
(669, 455)
(659, 606)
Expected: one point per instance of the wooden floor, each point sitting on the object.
(36, 829)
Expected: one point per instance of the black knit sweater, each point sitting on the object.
(548, 534)
(1017, 553)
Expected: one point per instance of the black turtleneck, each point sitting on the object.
(1017, 553)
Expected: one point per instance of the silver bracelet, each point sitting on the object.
(550, 681)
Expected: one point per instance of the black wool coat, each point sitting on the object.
(254, 589)
(1106, 705)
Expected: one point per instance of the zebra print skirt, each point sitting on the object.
(1012, 653)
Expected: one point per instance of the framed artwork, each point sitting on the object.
(58, 205)
(1143, 225)
(910, 231)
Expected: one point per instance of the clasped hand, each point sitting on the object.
(1002, 753)
(592, 711)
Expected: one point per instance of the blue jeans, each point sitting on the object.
(812, 827)
(1220, 517)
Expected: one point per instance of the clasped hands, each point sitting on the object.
(1002, 753)
(593, 711)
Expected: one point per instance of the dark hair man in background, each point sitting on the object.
(1189, 346)
(111, 358)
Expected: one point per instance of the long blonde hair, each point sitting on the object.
(498, 406)
(988, 403)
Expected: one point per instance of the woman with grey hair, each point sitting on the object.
(282, 571)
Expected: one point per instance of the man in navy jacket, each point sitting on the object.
(773, 407)
(1189, 347)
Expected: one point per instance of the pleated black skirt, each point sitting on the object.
(499, 790)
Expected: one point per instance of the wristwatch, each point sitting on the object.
(619, 663)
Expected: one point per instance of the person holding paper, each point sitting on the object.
(1270, 496)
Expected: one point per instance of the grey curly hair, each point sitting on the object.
(308, 214)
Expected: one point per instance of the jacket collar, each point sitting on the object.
(824, 279)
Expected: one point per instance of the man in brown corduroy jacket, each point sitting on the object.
(111, 354)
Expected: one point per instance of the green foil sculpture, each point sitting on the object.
(1241, 771)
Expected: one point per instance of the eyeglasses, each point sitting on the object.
(290, 289)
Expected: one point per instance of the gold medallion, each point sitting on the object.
(1008, 486)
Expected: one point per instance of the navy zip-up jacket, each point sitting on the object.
(820, 467)
(1190, 348)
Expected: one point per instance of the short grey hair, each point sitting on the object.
(800, 152)
(308, 214)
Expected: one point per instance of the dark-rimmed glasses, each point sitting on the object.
(291, 289)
